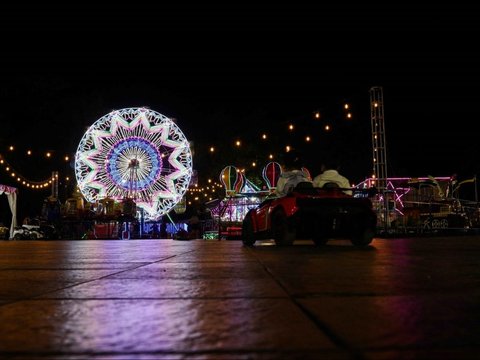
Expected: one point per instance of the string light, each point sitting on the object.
(42, 184)
(264, 136)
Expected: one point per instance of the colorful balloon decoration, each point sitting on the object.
(271, 173)
(240, 185)
(232, 179)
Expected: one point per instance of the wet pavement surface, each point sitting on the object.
(402, 298)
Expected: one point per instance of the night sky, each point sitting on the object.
(227, 72)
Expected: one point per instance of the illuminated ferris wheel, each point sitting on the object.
(134, 153)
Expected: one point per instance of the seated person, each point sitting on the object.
(292, 174)
(329, 175)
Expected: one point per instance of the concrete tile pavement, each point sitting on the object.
(415, 298)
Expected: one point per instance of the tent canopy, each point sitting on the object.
(11, 193)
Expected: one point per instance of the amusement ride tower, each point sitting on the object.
(379, 150)
(378, 138)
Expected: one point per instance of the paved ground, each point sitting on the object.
(205, 299)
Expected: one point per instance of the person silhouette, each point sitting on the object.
(292, 173)
(330, 176)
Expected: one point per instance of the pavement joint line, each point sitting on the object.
(36, 297)
(337, 340)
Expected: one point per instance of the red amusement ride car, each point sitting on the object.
(319, 214)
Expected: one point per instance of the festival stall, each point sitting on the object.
(11, 193)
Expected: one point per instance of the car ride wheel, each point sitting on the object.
(444, 224)
(248, 232)
(281, 232)
(363, 237)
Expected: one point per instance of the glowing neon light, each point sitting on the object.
(140, 136)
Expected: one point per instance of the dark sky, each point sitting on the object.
(236, 71)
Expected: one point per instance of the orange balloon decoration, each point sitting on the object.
(240, 182)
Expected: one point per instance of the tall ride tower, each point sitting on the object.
(379, 151)
(378, 138)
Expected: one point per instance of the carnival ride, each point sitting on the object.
(250, 213)
(241, 195)
(425, 205)
(135, 157)
(415, 205)
(319, 214)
